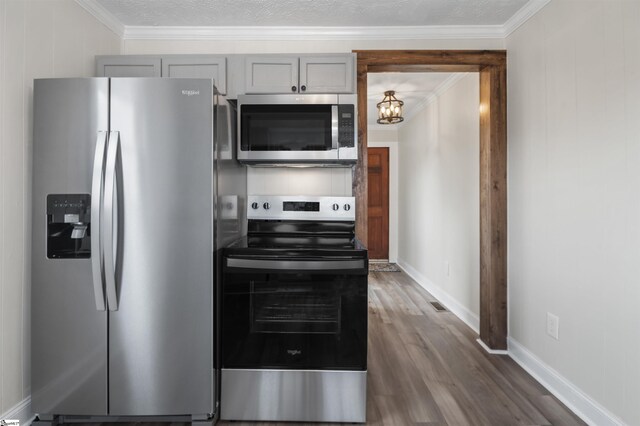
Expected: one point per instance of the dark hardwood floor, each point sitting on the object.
(426, 368)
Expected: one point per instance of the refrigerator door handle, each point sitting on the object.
(97, 185)
(110, 214)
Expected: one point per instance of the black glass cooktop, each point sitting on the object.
(300, 238)
(296, 246)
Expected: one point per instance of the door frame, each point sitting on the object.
(492, 68)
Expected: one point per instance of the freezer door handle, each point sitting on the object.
(110, 220)
(97, 185)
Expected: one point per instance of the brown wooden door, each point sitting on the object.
(378, 213)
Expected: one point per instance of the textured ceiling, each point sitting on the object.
(346, 13)
(411, 88)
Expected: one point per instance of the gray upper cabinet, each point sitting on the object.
(300, 74)
(177, 66)
(197, 66)
(237, 74)
(128, 66)
(271, 74)
(327, 74)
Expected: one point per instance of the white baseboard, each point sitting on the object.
(491, 351)
(21, 411)
(459, 310)
(582, 405)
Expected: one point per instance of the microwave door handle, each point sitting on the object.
(334, 127)
(297, 265)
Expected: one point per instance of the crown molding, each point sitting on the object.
(447, 84)
(443, 32)
(312, 33)
(104, 16)
(527, 11)
(435, 94)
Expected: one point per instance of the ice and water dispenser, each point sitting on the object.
(68, 226)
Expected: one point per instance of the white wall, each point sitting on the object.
(439, 197)
(389, 139)
(52, 38)
(574, 195)
(282, 181)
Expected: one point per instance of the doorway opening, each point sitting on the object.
(491, 66)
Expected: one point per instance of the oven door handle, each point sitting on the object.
(298, 265)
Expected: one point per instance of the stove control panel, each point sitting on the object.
(280, 207)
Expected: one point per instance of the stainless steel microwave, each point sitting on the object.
(297, 129)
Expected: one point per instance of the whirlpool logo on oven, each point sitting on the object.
(188, 92)
(294, 352)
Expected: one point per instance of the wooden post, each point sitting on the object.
(359, 177)
(493, 206)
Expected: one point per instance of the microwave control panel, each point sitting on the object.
(346, 126)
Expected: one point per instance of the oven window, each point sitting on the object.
(285, 128)
(293, 309)
(294, 320)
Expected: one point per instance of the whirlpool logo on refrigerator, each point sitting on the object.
(294, 352)
(188, 92)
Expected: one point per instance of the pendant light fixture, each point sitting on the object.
(390, 109)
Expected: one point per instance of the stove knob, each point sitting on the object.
(335, 207)
(254, 206)
(266, 206)
(347, 207)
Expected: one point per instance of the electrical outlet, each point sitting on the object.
(553, 325)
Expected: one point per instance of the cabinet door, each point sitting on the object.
(128, 66)
(197, 66)
(327, 74)
(271, 74)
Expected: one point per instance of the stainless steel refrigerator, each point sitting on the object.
(125, 200)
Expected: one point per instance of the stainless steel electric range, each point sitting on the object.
(294, 314)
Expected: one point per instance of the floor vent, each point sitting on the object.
(438, 306)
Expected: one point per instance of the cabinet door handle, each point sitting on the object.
(293, 88)
(303, 88)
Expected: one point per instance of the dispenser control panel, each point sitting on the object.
(69, 208)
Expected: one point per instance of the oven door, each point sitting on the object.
(294, 313)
